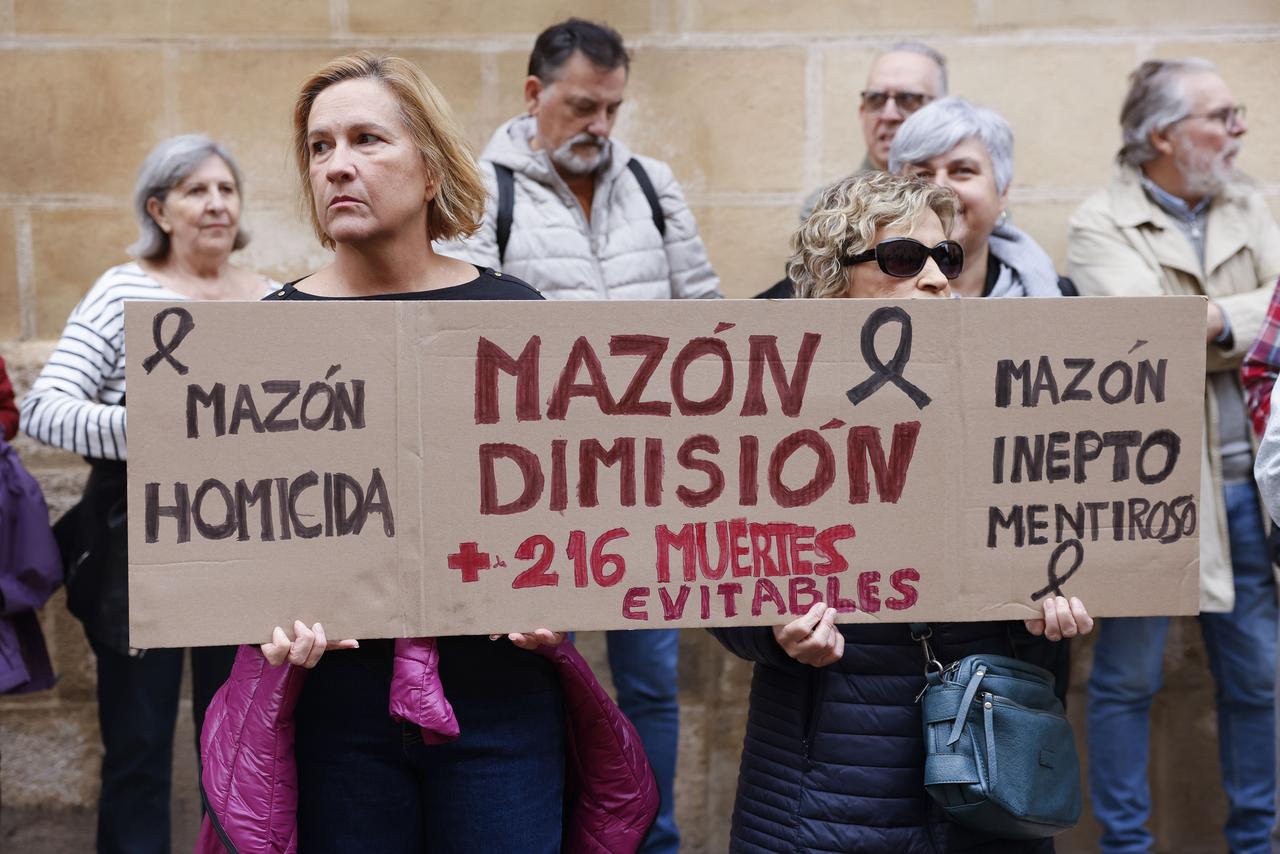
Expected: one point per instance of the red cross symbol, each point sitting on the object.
(470, 560)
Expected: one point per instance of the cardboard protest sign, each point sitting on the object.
(432, 468)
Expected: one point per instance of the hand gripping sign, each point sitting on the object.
(423, 468)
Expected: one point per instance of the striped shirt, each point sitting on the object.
(75, 403)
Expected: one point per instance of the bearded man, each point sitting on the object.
(573, 212)
(1176, 220)
(576, 215)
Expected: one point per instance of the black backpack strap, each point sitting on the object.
(506, 204)
(650, 194)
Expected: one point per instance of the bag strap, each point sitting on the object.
(650, 195)
(506, 205)
(921, 632)
(970, 691)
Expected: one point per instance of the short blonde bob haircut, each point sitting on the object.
(458, 207)
(846, 219)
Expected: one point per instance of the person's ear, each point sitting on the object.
(156, 209)
(533, 89)
(1162, 140)
(433, 187)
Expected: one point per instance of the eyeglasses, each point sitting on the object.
(904, 257)
(908, 102)
(1227, 116)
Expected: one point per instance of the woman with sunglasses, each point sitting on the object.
(969, 149)
(833, 758)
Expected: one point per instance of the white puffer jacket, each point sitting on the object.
(618, 255)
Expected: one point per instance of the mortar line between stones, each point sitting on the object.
(683, 16)
(1020, 195)
(59, 200)
(1023, 194)
(982, 10)
(660, 16)
(26, 273)
(169, 88)
(814, 118)
(490, 81)
(682, 39)
(339, 18)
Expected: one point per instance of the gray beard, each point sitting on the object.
(1202, 176)
(575, 164)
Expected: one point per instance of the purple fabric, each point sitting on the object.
(250, 777)
(416, 693)
(30, 570)
(612, 795)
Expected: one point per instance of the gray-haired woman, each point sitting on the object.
(187, 202)
(969, 149)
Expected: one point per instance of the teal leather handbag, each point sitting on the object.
(1000, 756)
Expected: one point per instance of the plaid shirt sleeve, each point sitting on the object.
(1261, 366)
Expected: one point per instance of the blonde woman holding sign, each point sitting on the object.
(833, 758)
(454, 743)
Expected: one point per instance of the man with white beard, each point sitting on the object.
(575, 214)
(1176, 220)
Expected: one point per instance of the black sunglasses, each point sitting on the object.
(903, 257)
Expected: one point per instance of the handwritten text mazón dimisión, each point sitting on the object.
(711, 569)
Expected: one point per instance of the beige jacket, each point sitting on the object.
(1122, 244)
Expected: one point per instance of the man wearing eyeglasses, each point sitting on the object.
(902, 79)
(1176, 221)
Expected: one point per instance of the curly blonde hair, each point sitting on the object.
(846, 219)
(458, 207)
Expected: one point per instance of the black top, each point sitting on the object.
(784, 289)
(994, 265)
(486, 285)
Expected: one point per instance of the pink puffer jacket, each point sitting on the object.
(249, 778)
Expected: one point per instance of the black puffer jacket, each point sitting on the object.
(834, 757)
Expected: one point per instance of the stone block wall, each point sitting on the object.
(753, 102)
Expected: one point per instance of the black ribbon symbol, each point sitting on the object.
(892, 372)
(164, 350)
(1056, 581)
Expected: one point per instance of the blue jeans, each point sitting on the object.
(1126, 675)
(369, 783)
(137, 711)
(644, 664)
